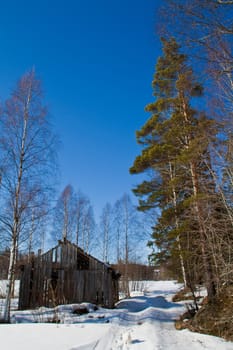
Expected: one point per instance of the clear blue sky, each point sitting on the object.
(96, 61)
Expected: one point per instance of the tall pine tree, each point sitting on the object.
(175, 143)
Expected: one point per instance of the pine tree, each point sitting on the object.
(175, 140)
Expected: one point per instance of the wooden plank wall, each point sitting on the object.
(65, 274)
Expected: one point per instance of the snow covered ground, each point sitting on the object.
(3, 284)
(145, 321)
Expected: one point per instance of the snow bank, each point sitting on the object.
(3, 284)
(143, 322)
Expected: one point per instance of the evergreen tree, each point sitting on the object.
(175, 143)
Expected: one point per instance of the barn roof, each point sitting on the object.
(81, 252)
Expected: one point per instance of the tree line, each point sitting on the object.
(187, 144)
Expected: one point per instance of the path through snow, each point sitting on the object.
(145, 321)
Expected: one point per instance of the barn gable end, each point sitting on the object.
(66, 274)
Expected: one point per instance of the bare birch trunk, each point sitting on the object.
(10, 281)
(65, 225)
(15, 231)
(32, 230)
(210, 285)
(174, 199)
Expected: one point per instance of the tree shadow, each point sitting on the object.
(137, 341)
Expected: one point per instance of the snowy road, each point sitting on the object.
(144, 322)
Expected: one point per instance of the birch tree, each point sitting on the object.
(88, 229)
(27, 158)
(105, 231)
(84, 221)
(65, 213)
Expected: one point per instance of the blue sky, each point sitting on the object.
(96, 61)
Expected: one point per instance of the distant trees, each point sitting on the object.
(127, 229)
(120, 232)
(105, 231)
(27, 157)
(74, 218)
(64, 214)
(122, 235)
(126, 233)
(88, 228)
(83, 218)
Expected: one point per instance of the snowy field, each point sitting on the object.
(145, 321)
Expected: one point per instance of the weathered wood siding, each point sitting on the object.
(65, 274)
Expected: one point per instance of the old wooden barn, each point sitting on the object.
(66, 274)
